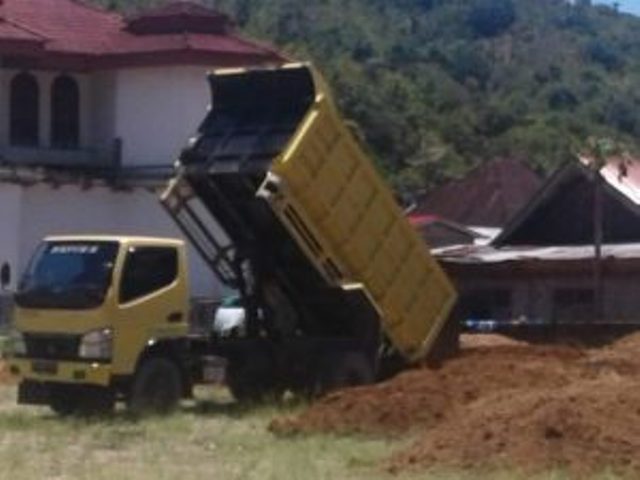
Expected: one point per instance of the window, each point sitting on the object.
(24, 108)
(68, 275)
(65, 113)
(146, 270)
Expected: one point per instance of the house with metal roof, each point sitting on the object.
(571, 256)
(94, 109)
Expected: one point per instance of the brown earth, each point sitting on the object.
(501, 403)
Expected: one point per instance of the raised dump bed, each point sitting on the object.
(285, 206)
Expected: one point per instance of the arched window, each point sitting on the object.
(24, 110)
(65, 113)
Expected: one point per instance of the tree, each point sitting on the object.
(562, 98)
(604, 54)
(490, 18)
(466, 62)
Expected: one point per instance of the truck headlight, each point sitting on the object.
(97, 344)
(17, 345)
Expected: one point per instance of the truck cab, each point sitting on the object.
(91, 313)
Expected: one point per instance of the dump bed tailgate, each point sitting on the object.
(342, 212)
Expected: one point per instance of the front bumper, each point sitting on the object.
(60, 371)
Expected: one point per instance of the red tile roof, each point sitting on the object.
(13, 32)
(180, 16)
(488, 196)
(181, 32)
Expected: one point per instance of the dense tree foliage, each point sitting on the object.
(436, 86)
(489, 18)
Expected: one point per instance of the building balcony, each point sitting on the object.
(101, 157)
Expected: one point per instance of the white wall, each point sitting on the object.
(153, 110)
(10, 213)
(101, 110)
(97, 210)
(4, 106)
(157, 110)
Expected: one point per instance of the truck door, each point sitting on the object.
(151, 302)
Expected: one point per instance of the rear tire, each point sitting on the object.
(343, 370)
(253, 386)
(157, 387)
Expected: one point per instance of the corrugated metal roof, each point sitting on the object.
(623, 174)
(477, 254)
(562, 212)
(488, 196)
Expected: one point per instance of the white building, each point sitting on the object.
(94, 109)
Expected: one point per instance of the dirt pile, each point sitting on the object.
(501, 403)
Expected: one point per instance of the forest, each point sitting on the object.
(435, 87)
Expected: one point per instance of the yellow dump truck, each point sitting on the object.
(287, 210)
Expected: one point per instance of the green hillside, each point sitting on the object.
(436, 86)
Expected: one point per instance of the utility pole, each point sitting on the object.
(600, 153)
(598, 219)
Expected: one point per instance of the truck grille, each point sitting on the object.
(52, 347)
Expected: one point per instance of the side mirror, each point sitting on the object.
(5, 275)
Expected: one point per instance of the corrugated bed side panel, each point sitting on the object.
(350, 211)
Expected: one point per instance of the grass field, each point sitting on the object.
(208, 440)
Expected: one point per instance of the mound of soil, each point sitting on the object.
(421, 398)
(501, 404)
(582, 428)
(414, 398)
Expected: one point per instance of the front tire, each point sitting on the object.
(63, 402)
(157, 387)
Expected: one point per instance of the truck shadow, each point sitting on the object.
(240, 409)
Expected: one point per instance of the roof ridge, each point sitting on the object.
(93, 6)
(25, 28)
(256, 43)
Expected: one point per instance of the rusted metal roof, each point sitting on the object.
(478, 254)
(438, 232)
(488, 196)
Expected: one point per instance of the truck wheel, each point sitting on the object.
(63, 400)
(342, 370)
(157, 387)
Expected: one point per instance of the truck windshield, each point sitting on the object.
(73, 275)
